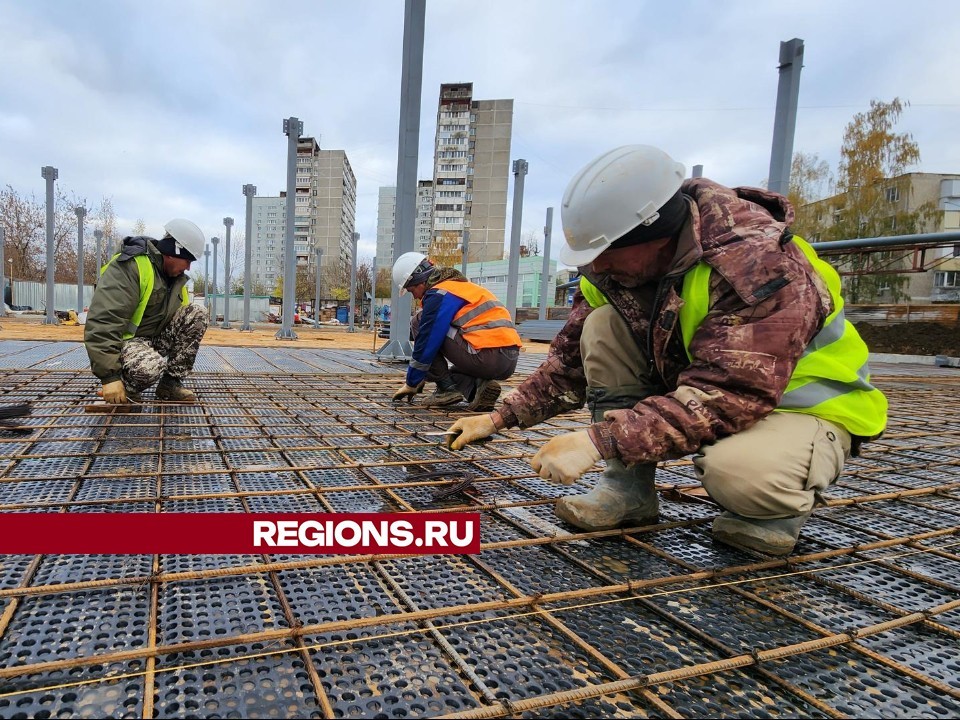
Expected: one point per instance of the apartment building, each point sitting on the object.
(935, 198)
(386, 222)
(266, 247)
(324, 215)
(471, 171)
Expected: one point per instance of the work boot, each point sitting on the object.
(485, 396)
(774, 537)
(445, 395)
(623, 496)
(171, 388)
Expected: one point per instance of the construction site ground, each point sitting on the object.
(863, 620)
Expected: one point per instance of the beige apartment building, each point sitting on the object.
(471, 171)
(325, 215)
(937, 197)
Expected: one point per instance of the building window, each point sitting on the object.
(892, 194)
(946, 279)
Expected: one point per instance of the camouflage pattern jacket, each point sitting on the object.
(766, 304)
(115, 301)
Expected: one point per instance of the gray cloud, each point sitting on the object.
(169, 108)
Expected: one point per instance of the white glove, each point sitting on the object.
(566, 457)
(468, 429)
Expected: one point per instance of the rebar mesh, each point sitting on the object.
(863, 619)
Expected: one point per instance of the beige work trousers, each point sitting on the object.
(770, 470)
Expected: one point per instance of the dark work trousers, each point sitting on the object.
(145, 360)
(466, 366)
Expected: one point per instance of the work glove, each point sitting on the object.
(467, 429)
(114, 393)
(407, 391)
(565, 458)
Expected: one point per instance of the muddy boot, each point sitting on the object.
(171, 388)
(485, 396)
(623, 496)
(445, 395)
(774, 537)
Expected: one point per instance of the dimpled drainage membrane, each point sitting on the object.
(864, 619)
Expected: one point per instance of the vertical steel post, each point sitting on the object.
(206, 281)
(398, 349)
(10, 262)
(513, 265)
(353, 283)
(293, 128)
(98, 236)
(316, 304)
(697, 171)
(3, 270)
(373, 294)
(545, 272)
(213, 311)
(466, 251)
(81, 214)
(227, 223)
(50, 174)
(249, 191)
(785, 120)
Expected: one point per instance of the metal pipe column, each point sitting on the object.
(81, 214)
(316, 304)
(785, 120)
(398, 349)
(353, 283)
(206, 281)
(3, 272)
(227, 223)
(373, 293)
(513, 265)
(213, 312)
(248, 191)
(293, 128)
(545, 271)
(98, 236)
(50, 174)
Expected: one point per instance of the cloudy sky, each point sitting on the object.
(170, 108)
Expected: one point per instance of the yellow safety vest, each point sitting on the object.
(145, 269)
(832, 377)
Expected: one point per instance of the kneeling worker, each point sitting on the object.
(460, 323)
(141, 327)
(703, 326)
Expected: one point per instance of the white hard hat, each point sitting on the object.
(187, 235)
(410, 266)
(612, 195)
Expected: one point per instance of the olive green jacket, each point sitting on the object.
(116, 299)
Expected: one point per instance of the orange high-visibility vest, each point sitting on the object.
(484, 320)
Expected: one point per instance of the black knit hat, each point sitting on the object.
(673, 214)
(168, 246)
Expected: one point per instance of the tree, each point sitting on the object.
(871, 179)
(384, 283)
(24, 220)
(139, 227)
(446, 249)
(809, 182)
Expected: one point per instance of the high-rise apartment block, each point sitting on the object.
(471, 172)
(386, 222)
(324, 215)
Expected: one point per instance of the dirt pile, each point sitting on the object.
(914, 338)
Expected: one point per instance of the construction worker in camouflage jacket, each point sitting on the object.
(141, 327)
(702, 326)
